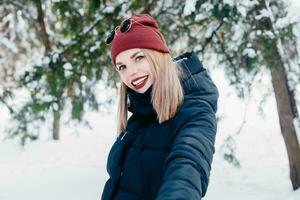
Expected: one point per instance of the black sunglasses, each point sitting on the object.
(124, 27)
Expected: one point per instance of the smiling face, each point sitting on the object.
(134, 69)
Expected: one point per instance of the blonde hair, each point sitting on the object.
(167, 93)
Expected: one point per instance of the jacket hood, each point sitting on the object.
(195, 81)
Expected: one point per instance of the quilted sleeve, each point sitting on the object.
(187, 167)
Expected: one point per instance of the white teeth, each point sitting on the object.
(138, 81)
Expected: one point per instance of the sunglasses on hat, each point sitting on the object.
(124, 27)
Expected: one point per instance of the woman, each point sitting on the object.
(165, 149)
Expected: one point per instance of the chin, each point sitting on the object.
(142, 90)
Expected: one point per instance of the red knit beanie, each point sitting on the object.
(143, 33)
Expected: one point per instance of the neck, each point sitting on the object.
(140, 103)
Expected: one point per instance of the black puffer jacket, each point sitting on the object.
(171, 160)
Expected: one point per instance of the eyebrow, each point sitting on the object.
(132, 56)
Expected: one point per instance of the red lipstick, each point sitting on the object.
(139, 84)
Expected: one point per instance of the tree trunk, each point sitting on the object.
(45, 38)
(284, 101)
(56, 124)
(43, 32)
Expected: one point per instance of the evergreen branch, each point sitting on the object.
(26, 13)
(209, 39)
(11, 110)
(14, 3)
(81, 34)
(225, 52)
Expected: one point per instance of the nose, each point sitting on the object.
(132, 70)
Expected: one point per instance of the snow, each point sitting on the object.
(67, 66)
(242, 10)
(297, 128)
(108, 9)
(250, 52)
(229, 2)
(209, 32)
(55, 57)
(200, 16)
(60, 170)
(207, 6)
(96, 46)
(83, 79)
(189, 7)
(269, 34)
(46, 60)
(8, 44)
(292, 15)
(263, 13)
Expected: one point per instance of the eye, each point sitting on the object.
(121, 67)
(138, 58)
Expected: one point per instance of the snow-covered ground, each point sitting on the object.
(74, 167)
